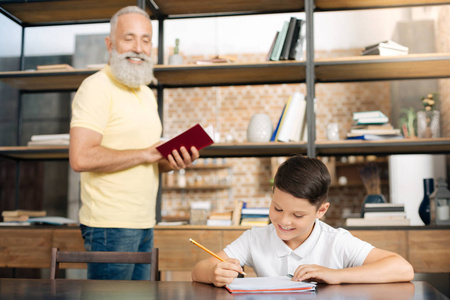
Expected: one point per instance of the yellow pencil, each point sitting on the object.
(210, 252)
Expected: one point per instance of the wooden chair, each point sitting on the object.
(105, 257)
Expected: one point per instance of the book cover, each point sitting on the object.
(375, 131)
(368, 114)
(255, 211)
(269, 54)
(296, 51)
(279, 43)
(21, 212)
(194, 136)
(374, 137)
(275, 132)
(296, 133)
(237, 211)
(288, 124)
(367, 121)
(387, 44)
(288, 39)
(283, 117)
(277, 284)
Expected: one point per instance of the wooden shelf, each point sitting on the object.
(324, 148)
(199, 187)
(375, 68)
(29, 12)
(383, 147)
(346, 69)
(328, 5)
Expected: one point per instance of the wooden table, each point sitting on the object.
(18, 289)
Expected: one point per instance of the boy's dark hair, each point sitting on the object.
(304, 177)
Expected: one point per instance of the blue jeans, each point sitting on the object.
(119, 240)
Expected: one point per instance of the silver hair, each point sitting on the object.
(123, 11)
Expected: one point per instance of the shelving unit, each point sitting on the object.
(312, 71)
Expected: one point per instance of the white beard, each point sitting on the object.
(129, 74)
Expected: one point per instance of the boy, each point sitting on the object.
(299, 244)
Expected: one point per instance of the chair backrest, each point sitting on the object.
(105, 257)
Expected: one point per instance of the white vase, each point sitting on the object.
(259, 129)
(175, 59)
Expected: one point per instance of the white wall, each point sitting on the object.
(225, 35)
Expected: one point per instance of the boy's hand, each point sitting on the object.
(225, 272)
(316, 273)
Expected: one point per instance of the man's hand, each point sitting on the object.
(178, 159)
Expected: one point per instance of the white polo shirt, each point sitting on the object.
(261, 249)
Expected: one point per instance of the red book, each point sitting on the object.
(194, 136)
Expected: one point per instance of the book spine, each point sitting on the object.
(279, 43)
(288, 40)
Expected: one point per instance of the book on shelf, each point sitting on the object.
(61, 142)
(46, 137)
(16, 219)
(380, 131)
(275, 132)
(357, 115)
(52, 220)
(288, 39)
(297, 100)
(384, 52)
(22, 212)
(261, 221)
(300, 121)
(269, 54)
(377, 222)
(215, 60)
(194, 136)
(384, 215)
(237, 212)
(388, 47)
(373, 126)
(49, 140)
(279, 42)
(374, 137)
(258, 285)
(56, 67)
(384, 207)
(296, 51)
(255, 211)
(283, 118)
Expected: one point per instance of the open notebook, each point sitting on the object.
(281, 284)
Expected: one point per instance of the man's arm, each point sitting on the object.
(86, 153)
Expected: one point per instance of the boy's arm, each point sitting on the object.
(378, 267)
(213, 271)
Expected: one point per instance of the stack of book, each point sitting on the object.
(288, 42)
(21, 215)
(255, 216)
(50, 140)
(385, 48)
(291, 126)
(372, 125)
(381, 214)
(219, 219)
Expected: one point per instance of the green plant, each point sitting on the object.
(407, 122)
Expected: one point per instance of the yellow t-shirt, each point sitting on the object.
(128, 119)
